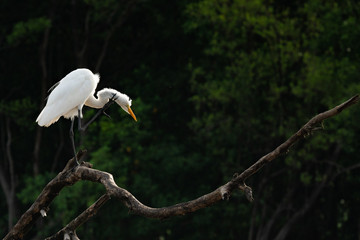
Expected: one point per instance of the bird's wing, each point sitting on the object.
(69, 94)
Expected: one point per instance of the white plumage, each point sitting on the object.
(75, 90)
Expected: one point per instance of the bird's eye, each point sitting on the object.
(129, 99)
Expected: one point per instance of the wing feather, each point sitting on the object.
(68, 96)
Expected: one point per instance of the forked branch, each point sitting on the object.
(71, 175)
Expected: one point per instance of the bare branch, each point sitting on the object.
(70, 175)
(284, 147)
(82, 218)
(43, 201)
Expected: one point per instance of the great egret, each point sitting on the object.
(71, 93)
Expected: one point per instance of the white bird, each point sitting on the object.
(75, 90)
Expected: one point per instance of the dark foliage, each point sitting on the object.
(215, 85)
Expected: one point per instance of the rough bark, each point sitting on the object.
(312, 125)
(70, 175)
(70, 229)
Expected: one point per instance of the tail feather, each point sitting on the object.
(45, 118)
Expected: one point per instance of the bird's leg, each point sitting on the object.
(72, 140)
(79, 119)
(102, 110)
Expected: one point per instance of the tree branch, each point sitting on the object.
(70, 175)
(284, 147)
(82, 218)
(43, 201)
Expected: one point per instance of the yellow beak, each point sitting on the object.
(131, 113)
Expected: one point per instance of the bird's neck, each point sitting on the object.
(96, 102)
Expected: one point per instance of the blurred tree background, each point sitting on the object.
(215, 85)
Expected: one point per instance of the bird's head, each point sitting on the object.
(123, 100)
(125, 103)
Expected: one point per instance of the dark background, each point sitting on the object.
(215, 85)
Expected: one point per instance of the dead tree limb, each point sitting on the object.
(70, 229)
(70, 175)
(307, 129)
